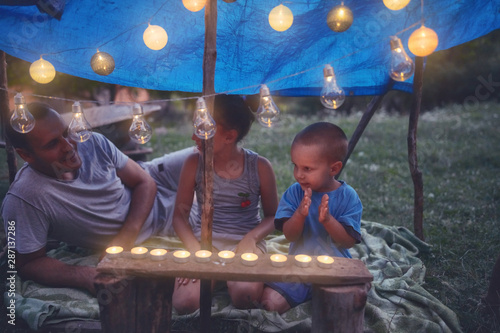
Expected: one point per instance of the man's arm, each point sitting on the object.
(38, 267)
(143, 195)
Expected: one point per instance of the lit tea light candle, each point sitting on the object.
(139, 252)
(302, 260)
(226, 256)
(278, 260)
(249, 259)
(158, 254)
(114, 251)
(181, 256)
(203, 256)
(325, 261)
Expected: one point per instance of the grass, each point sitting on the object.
(459, 157)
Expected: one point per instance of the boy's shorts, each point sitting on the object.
(294, 293)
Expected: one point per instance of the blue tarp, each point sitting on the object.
(249, 51)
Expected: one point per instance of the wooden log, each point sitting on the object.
(339, 309)
(416, 174)
(154, 304)
(117, 304)
(4, 117)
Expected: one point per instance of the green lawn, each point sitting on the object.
(460, 160)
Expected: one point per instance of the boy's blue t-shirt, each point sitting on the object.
(344, 205)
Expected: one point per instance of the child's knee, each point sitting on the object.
(245, 295)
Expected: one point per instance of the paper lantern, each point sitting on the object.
(423, 41)
(396, 4)
(102, 63)
(340, 18)
(155, 37)
(280, 18)
(194, 5)
(42, 71)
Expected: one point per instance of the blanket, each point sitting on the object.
(397, 301)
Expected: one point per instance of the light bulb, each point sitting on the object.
(268, 113)
(332, 96)
(155, 37)
(42, 71)
(79, 129)
(102, 63)
(340, 18)
(280, 18)
(204, 124)
(21, 120)
(396, 4)
(194, 5)
(402, 66)
(423, 41)
(139, 131)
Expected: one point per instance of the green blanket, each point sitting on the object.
(397, 302)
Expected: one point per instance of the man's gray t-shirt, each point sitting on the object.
(87, 211)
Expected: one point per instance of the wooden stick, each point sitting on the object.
(209, 60)
(416, 174)
(363, 123)
(4, 117)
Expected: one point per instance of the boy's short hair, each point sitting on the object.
(231, 112)
(20, 140)
(329, 136)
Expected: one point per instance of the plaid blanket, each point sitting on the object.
(397, 301)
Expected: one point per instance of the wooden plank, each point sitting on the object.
(154, 304)
(343, 271)
(109, 114)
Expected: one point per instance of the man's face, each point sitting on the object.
(52, 151)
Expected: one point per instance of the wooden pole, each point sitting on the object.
(416, 174)
(363, 123)
(4, 117)
(209, 60)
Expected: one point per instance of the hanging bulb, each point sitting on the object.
(194, 5)
(21, 120)
(155, 37)
(139, 131)
(280, 18)
(42, 71)
(102, 63)
(396, 4)
(268, 113)
(204, 124)
(79, 129)
(340, 18)
(332, 96)
(423, 41)
(402, 66)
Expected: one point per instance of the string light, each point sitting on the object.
(332, 96)
(339, 18)
(204, 124)
(402, 67)
(21, 120)
(268, 113)
(155, 37)
(423, 41)
(42, 71)
(79, 129)
(102, 63)
(194, 5)
(139, 131)
(396, 4)
(280, 18)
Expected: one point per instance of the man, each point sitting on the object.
(87, 194)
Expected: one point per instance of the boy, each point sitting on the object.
(318, 214)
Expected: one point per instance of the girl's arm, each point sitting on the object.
(183, 203)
